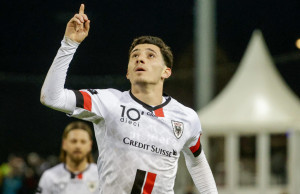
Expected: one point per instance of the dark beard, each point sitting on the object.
(77, 160)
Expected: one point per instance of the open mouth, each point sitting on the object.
(140, 69)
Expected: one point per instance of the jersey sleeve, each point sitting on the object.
(88, 105)
(53, 93)
(45, 184)
(193, 145)
(196, 161)
(82, 104)
(95, 105)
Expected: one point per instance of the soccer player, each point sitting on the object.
(141, 132)
(77, 173)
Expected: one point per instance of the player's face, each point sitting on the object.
(77, 145)
(146, 65)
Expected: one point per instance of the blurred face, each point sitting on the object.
(77, 145)
(146, 65)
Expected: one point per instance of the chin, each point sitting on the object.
(77, 159)
(140, 81)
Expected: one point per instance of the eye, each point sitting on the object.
(73, 141)
(151, 55)
(134, 55)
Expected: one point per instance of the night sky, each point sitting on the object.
(32, 30)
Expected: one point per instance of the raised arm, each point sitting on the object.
(53, 93)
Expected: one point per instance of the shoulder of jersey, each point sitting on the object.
(113, 94)
(56, 167)
(183, 108)
(109, 91)
(93, 166)
(55, 170)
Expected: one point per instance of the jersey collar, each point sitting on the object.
(148, 107)
(73, 175)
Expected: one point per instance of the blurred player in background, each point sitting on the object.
(141, 132)
(77, 173)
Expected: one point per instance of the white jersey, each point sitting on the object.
(59, 180)
(139, 145)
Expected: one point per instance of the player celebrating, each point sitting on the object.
(77, 173)
(140, 133)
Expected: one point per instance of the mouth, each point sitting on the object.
(139, 69)
(77, 152)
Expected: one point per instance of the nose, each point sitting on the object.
(140, 60)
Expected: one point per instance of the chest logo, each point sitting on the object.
(92, 186)
(177, 128)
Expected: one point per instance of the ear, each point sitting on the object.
(166, 73)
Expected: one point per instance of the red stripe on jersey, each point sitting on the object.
(149, 184)
(196, 147)
(79, 176)
(159, 112)
(87, 101)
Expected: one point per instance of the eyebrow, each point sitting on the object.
(140, 49)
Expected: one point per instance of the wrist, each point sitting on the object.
(68, 41)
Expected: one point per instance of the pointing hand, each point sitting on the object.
(78, 27)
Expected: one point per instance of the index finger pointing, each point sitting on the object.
(81, 9)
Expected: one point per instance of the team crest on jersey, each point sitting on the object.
(92, 186)
(177, 128)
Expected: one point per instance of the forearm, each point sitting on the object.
(201, 174)
(53, 93)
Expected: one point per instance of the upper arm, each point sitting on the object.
(93, 105)
(65, 101)
(196, 161)
(193, 146)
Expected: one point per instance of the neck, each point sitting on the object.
(149, 94)
(76, 166)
